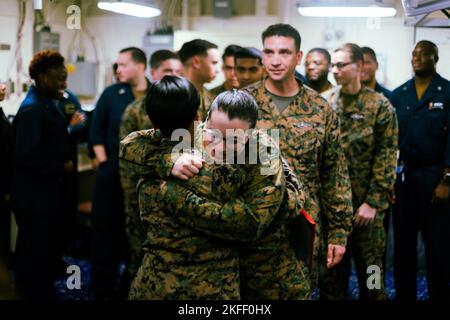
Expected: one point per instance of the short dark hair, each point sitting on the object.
(433, 47)
(356, 53)
(172, 103)
(137, 55)
(250, 53)
(159, 56)
(43, 61)
(114, 67)
(370, 52)
(230, 51)
(323, 52)
(283, 30)
(195, 47)
(236, 104)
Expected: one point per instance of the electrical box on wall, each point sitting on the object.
(222, 8)
(82, 79)
(154, 42)
(45, 40)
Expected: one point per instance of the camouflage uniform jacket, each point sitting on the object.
(134, 118)
(218, 90)
(206, 100)
(179, 261)
(369, 135)
(310, 142)
(242, 204)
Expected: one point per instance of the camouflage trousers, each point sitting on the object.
(157, 279)
(136, 236)
(366, 245)
(270, 270)
(318, 257)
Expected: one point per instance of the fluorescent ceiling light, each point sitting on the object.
(130, 9)
(370, 11)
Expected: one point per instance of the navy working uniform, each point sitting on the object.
(384, 91)
(68, 106)
(108, 240)
(424, 143)
(37, 193)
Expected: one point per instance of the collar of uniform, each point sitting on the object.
(165, 141)
(123, 87)
(207, 94)
(436, 84)
(268, 106)
(434, 88)
(335, 99)
(411, 84)
(34, 96)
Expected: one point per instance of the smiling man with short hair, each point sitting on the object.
(309, 140)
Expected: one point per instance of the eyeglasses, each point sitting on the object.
(216, 135)
(340, 65)
(211, 133)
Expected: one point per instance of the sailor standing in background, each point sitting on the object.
(423, 181)
(108, 241)
(41, 165)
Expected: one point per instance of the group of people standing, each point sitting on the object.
(347, 156)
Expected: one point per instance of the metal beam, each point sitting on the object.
(414, 21)
(444, 11)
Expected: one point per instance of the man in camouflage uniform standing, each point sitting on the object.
(134, 118)
(200, 59)
(369, 135)
(228, 68)
(309, 140)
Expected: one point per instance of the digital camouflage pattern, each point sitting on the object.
(310, 142)
(218, 90)
(134, 118)
(366, 245)
(369, 134)
(257, 215)
(179, 262)
(205, 103)
(237, 203)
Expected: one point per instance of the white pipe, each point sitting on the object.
(37, 4)
(261, 8)
(185, 15)
(286, 9)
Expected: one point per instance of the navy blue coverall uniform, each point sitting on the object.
(37, 193)
(384, 91)
(108, 241)
(424, 143)
(68, 106)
